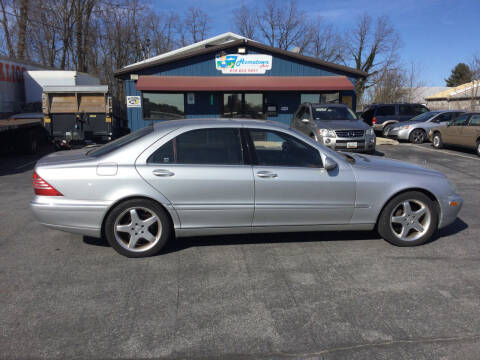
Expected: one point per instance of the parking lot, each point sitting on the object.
(304, 295)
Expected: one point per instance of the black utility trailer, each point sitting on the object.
(78, 115)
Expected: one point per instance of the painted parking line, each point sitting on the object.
(447, 152)
(25, 165)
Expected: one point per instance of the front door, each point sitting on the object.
(291, 186)
(452, 133)
(243, 105)
(203, 174)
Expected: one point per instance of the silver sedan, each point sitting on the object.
(206, 177)
(415, 130)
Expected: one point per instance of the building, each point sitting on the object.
(418, 95)
(463, 97)
(231, 76)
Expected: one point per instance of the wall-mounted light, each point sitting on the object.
(242, 50)
(133, 76)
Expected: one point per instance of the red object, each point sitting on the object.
(41, 187)
(374, 120)
(243, 83)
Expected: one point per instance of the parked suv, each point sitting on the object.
(382, 115)
(335, 126)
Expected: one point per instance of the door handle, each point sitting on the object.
(266, 174)
(162, 172)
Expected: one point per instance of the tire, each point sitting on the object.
(437, 141)
(399, 225)
(417, 136)
(478, 148)
(148, 218)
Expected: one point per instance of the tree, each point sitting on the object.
(196, 24)
(460, 74)
(326, 43)
(372, 49)
(245, 22)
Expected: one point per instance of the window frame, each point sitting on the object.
(470, 120)
(242, 104)
(467, 121)
(243, 149)
(253, 155)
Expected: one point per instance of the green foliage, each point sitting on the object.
(461, 74)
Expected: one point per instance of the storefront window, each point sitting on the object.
(321, 98)
(248, 105)
(160, 106)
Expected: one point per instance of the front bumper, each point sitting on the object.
(398, 134)
(450, 206)
(364, 144)
(75, 216)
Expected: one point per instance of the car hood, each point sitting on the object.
(342, 124)
(386, 164)
(62, 157)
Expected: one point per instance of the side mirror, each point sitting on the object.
(330, 164)
(305, 121)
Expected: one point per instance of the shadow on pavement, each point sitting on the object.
(16, 163)
(277, 238)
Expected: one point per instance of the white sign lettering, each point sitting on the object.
(243, 64)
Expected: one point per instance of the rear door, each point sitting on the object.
(291, 186)
(203, 174)
(471, 133)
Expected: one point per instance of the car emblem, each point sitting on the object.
(351, 134)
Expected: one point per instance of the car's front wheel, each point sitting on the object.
(409, 219)
(437, 141)
(417, 136)
(138, 228)
(478, 148)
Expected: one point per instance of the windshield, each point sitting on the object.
(333, 113)
(424, 116)
(116, 144)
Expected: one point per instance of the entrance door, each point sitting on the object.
(243, 105)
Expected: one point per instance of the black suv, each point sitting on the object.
(382, 115)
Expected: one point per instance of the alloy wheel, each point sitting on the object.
(137, 229)
(410, 220)
(418, 136)
(436, 140)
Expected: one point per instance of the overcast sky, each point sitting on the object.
(436, 34)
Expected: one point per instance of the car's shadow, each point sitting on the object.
(277, 238)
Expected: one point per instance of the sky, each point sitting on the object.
(435, 34)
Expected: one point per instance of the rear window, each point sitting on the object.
(120, 142)
(385, 110)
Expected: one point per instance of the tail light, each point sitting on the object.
(374, 120)
(41, 187)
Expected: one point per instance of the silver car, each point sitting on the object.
(335, 126)
(207, 177)
(416, 130)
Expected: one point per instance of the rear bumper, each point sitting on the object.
(449, 212)
(75, 216)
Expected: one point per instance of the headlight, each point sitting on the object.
(326, 133)
(370, 132)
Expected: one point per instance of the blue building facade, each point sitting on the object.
(226, 81)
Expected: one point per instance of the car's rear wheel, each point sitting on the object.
(437, 141)
(409, 219)
(478, 148)
(417, 136)
(138, 228)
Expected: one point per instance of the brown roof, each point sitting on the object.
(216, 48)
(243, 83)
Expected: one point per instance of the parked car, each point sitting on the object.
(204, 177)
(381, 115)
(464, 131)
(335, 126)
(416, 129)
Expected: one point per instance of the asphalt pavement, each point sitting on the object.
(332, 295)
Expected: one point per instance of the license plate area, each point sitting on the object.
(352, 145)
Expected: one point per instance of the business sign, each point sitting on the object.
(133, 102)
(243, 64)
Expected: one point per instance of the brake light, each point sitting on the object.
(374, 120)
(41, 187)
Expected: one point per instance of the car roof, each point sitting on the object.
(324, 105)
(207, 122)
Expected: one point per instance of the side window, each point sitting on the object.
(461, 120)
(443, 117)
(300, 113)
(385, 110)
(201, 147)
(475, 120)
(274, 148)
(418, 109)
(405, 110)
